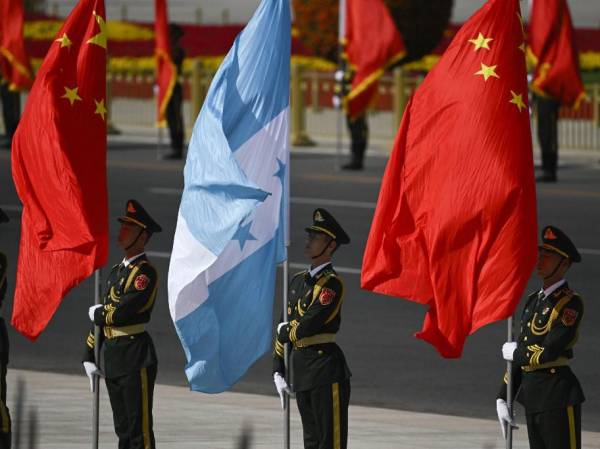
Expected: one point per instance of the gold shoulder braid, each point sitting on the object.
(541, 330)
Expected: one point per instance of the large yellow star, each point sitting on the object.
(487, 71)
(518, 101)
(481, 42)
(64, 41)
(100, 38)
(71, 95)
(100, 108)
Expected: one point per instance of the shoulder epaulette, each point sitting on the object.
(300, 273)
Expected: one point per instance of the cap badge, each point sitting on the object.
(130, 208)
(549, 235)
(318, 216)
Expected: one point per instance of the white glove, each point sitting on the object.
(280, 325)
(91, 370)
(282, 387)
(504, 416)
(508, 350)
(91, 311)
(336, 101)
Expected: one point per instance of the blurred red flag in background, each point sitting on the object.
(14, 63)
(373, 44)
(552, 48)
(166, 72)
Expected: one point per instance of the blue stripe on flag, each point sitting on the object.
(232, 329)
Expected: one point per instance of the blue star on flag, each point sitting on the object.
(243, 234)
(280, 173)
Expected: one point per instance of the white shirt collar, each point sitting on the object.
(548, 291)
(127, 262)
(314, 271)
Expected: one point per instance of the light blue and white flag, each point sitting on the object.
(232, 218)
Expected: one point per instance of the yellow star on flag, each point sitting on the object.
(481, 42)
(64, 41)
(517, 100)
(100, 108)
(71, 95)
(100, 38)
(487, 71)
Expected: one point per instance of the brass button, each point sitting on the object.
(529, 324)
(524, 338)
(552, 370)
(320, 352)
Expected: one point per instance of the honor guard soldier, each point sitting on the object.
(5, 427)
(542, 379)
(321, 378)
(127, 355)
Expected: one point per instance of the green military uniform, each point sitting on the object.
(5, 423)
(321, 378)
(127, 355)
(545, 385)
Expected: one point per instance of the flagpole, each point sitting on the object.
(286, 359)
(96, 378)
(509, 386)
(340, 80)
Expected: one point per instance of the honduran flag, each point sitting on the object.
(232, 218)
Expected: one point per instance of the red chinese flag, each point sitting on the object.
(14, 63)
(373, 44)
(166, 72)
(552, 46)
(455, 223)
(59, 170)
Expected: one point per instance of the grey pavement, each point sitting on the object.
(185, 419)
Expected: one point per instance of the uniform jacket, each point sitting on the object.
(129, 300)
(314, 314)
(549, 330)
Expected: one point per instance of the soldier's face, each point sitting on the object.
(315, 243)
(127, 234)
(547, 264)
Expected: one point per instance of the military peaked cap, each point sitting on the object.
(136, 214)
(3, 217)
(553, 239)
(324, 222)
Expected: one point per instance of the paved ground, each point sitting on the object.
(390, 368)
(186, 420)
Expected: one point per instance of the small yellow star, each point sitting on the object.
(523, 47)
(100, 108)
(517, 100)
(481, 42)
(487, 71)
(100, 38)
(71, 95)
(64, 41)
